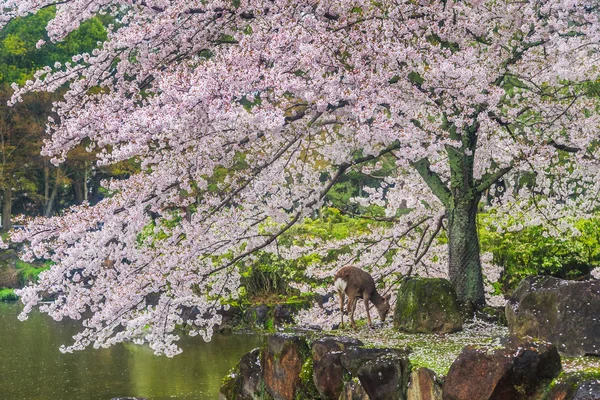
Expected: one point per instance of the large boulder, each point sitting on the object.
(383, 373)
(563, 312)
(424, 385)
(518, 370)
(284, 359)
(245, 381)
(427, 305)
(328, 372)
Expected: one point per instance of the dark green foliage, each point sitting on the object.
(18, 52)
(267, 276)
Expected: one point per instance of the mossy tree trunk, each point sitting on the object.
(464, 264)
(460, 196)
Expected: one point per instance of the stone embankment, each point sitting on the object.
(291, 367)
(563, 317)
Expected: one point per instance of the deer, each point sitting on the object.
(356, 283)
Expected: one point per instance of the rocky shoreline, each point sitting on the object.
(294, 367)
(523, 364)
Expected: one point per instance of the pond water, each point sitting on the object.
(32, 367)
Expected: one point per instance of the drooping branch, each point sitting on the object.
(271, 238)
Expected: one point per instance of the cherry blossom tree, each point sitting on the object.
(286, 97)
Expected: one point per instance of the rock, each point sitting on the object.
(383, 373)
(490, 314)
(589, 390)
(354, 357)
(257, 316)
(516, 371)
(332, 343)
(230, 315)
(353, 391)
(424, 385)
(282, 314)
(283, 361)
(328, 371)
(563, 312)
(570, 385)
(245, 381)
(426, 305)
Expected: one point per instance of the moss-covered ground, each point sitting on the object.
(436, 352)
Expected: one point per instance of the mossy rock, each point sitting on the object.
(245, 381)
(427, 305)
(287, 368)
(570, 385)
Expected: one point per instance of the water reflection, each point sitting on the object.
(32, 367)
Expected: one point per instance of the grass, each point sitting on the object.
(8, 295)
(30, 272)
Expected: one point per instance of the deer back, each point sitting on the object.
(354, 281)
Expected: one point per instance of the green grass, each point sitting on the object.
(8, 295)
(30, 272)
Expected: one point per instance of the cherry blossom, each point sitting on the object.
(468, 97)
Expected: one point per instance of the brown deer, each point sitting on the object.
(357, 283)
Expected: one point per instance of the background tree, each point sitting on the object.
(22, 128)
(244, 114)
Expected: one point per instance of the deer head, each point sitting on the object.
(384, 307)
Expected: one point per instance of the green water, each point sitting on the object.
(32, 367)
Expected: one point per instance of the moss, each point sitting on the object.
(425, 305)
(270, 324)
(8, 295)
(307, 386)
(230, 384)
(307, 372)
(568, 382)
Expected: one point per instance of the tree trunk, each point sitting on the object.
(460, 197)
(7, 209)
(464, 267)
(50, 204)
(78, 190)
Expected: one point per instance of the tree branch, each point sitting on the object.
(433, 180)
(488, 180)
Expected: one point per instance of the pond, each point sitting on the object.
(33, 368)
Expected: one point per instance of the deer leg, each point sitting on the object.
(366, 299)
(342, 296)
(352, 324)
